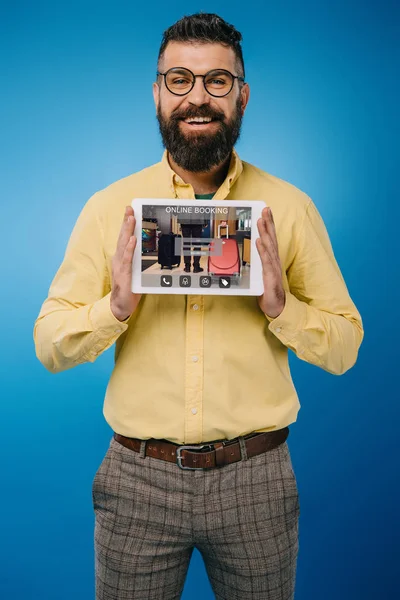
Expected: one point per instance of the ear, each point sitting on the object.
(156, 93)
(244, 96)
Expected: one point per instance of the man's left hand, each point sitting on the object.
(272, 302)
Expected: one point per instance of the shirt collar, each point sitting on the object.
(183, 190)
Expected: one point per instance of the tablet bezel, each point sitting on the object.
(256, 281)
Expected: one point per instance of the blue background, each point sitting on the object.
(77, 114)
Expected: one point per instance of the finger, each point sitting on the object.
(269, 218)
(128, 215)
(262, 227)
(269, 250)
(265, 212)
(122, 229)
(126, 263)
(127, 229)
(273, 253)
(263, 230)
(270, 268)
(265, 256)
(267, 229)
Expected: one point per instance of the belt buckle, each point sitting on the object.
(179, 456)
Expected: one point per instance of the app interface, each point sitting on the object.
(196, 246)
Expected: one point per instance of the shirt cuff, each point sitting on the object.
(103, 319)
(291, 319)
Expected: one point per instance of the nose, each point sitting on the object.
(198, 95)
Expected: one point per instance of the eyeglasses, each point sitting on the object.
(218, 82)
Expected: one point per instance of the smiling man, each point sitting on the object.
(201, 397)
(200, 130)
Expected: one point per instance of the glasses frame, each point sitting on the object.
(204, 84)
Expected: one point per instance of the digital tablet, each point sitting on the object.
(197, 247)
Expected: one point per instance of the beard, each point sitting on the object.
(200, 151)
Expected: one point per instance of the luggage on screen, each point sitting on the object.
(229, 262)
(166, 251)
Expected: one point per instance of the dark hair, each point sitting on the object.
(204, 28)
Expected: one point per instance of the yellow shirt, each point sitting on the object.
(194, 368)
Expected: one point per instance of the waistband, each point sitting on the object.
(210, 454)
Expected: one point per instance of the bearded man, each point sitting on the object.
(201, 398)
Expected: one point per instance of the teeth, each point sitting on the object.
(198, 120)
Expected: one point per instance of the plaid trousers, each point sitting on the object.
(150, 514)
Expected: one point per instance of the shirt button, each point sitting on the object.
(278, 329)
(195, 306)
(194, 411)
(195, 358)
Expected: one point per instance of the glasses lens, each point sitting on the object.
(179, 81)
(218, 82)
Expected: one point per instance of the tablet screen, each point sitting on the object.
(196, 246)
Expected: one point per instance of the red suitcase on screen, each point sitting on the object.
(229, 262)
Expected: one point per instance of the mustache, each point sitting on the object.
(192, 112)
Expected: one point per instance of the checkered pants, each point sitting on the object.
(150, 514)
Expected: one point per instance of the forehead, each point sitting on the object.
(199, 58)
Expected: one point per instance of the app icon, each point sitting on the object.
(185, 280)
(166, 280)
(205, 281)
(224, 282)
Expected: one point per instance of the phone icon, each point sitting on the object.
(166, 280)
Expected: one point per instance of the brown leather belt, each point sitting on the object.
(209, 454)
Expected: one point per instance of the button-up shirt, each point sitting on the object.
(196, 368)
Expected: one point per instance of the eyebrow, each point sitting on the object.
(217, 69)
(178, 69)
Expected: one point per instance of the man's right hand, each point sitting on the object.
(123, 301)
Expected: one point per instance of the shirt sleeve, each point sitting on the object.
(75, 323)
(319, 322)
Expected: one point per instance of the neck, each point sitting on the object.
(206, 182)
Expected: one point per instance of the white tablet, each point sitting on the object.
(197, 247)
